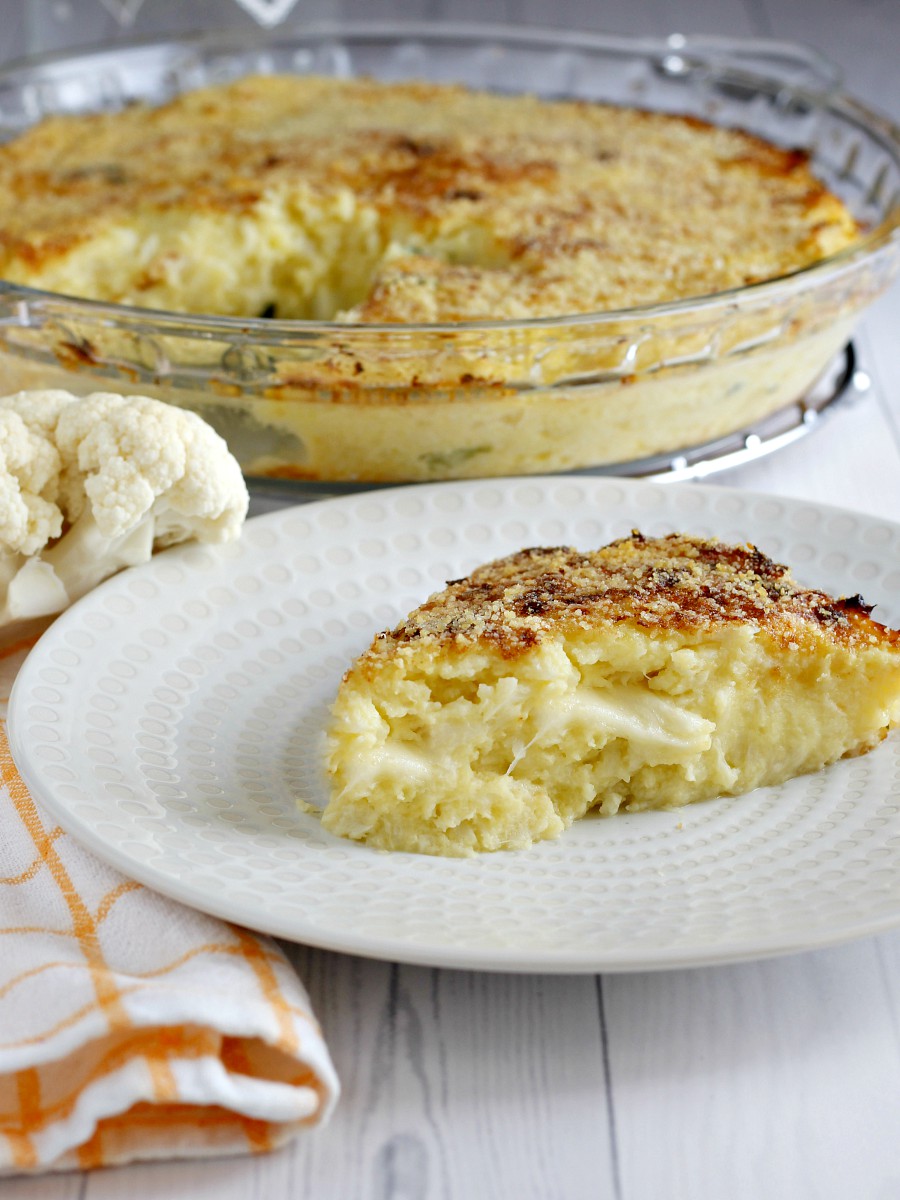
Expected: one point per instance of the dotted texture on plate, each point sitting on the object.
(172, 718)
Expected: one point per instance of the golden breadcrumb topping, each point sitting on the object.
(365, 201)
(675, 582)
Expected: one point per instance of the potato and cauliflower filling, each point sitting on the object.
(90, 485)
(649, 674)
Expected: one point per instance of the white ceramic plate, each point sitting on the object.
(170, 719)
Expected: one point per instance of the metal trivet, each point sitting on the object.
(843, 383)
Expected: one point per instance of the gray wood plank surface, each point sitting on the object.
(773, 1077)
(459, 1084)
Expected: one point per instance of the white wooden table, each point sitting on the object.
(777, 1078)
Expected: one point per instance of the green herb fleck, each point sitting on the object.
(447, 460)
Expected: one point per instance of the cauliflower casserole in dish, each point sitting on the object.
(365, 280)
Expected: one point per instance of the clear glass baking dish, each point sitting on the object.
(308, 400)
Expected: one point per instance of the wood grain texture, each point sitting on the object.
(458, 1084)
(777, 1078)
(45, 1187)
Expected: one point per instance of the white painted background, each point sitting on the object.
(776, 1080)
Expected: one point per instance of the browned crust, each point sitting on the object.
(673, 583)
(546, 194)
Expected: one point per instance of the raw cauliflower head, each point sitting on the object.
(89, 485)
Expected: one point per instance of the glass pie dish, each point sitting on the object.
(350, 404)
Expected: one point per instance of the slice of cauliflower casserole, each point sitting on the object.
(648, 674)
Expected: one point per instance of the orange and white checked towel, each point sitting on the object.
(130, 1026)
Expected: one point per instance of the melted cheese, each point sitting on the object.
(656, 727)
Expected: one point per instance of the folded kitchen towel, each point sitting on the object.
(130, 1026)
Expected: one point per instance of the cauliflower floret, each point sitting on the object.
(88, 486)
(29, 479)
(135, 455)
(41, 412)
